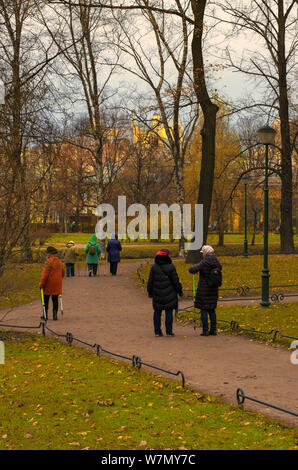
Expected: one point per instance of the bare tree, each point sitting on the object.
(274, 23)
(78, 33)
(24, 59)
(156, 50)
(210, 110)
(147, 176)
(193, 15)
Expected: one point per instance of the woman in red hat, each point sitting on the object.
(163, 287)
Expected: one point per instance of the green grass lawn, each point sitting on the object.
(20, 284)
(231, 249)
(281, 317)
(212, 238)
(132, 252)
(84, 238)
(54, 396)
(239, 238)
(239, 271)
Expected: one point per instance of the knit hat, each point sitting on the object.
(51, 250)
(164, 252)
(70, 243)
(207, 250)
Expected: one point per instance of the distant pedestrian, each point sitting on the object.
(207, 290)
(163, 287)
(113, 248)
(51, 280)
(93, 251)
(73, 226)
(70, 257)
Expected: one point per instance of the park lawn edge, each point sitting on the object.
(122, 393)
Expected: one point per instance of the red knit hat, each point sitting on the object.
(163, 252)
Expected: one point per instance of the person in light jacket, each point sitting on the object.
(70, 257)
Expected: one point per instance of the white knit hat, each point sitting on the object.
(207, 250)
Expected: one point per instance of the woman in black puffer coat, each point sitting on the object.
(206, 296)
(164, 286)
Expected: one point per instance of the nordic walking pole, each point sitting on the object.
(43, 305)
(61, 304)
(194, 287)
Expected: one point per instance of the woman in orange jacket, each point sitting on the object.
(51, 280)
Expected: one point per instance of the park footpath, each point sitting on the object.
(116, 313)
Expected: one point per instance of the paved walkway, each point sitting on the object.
(115, 313)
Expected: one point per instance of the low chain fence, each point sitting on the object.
(274, 296)
(241, 397)
(140, 276)
(135, 361)
(242, 291)
(232, 324)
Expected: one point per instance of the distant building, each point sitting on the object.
(74, 164)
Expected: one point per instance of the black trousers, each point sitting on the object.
(168, 321)
(92, 268)
(113, 267)
(54, 300)
(204, 318)
(70, 269)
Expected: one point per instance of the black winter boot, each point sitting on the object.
(55, 315)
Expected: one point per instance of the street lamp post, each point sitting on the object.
(245, 251)
(266, 136)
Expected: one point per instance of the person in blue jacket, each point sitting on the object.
(113, 248)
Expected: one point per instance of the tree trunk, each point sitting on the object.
(286, 227)
(208, 131)
(207, 164)
(45, 216)
(26, 251)
(65, 221)
(180, 198)
(220, 237)
(99, 168)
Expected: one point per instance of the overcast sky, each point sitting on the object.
(230, 84)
